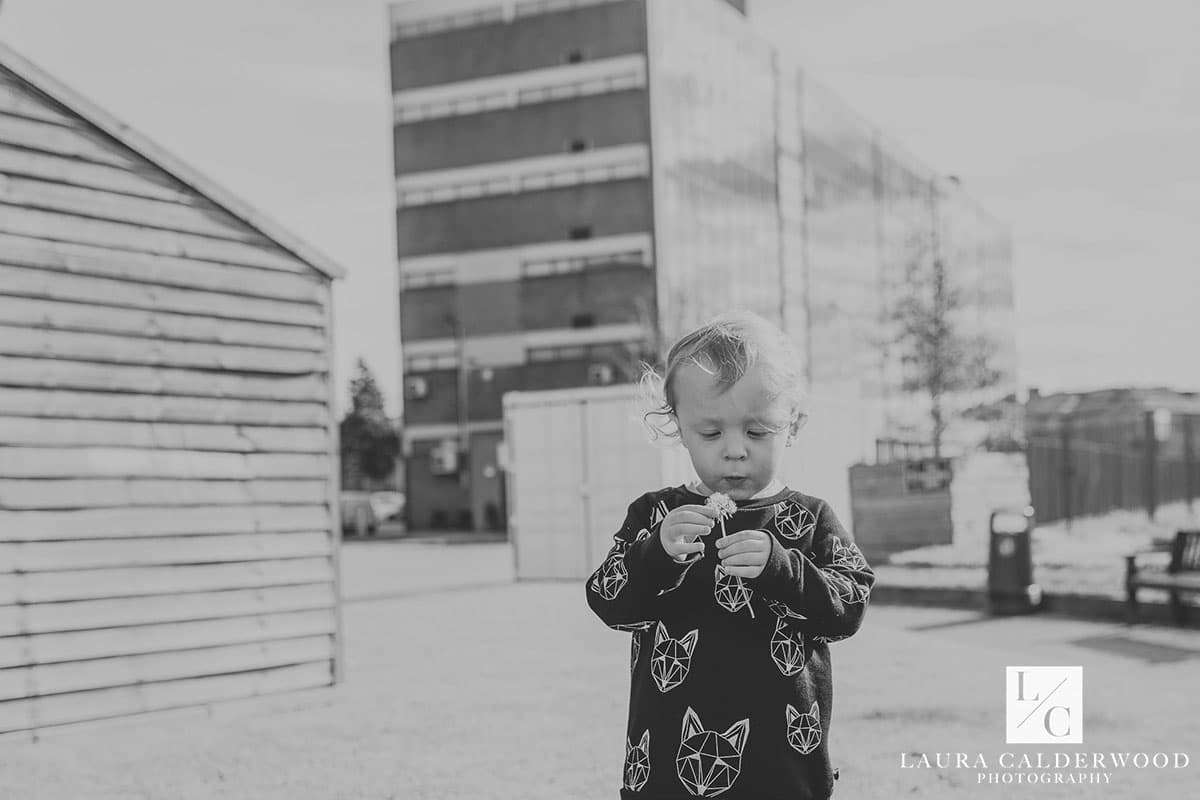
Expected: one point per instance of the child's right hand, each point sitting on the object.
(682, 527)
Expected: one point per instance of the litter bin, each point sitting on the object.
(1011, 589)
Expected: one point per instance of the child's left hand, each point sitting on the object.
(744, 553)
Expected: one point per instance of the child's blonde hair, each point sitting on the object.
(725, 347)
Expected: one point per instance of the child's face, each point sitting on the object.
(735, 438)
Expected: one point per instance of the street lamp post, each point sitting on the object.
(463, 404)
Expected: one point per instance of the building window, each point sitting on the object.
(430, 363)
(534, 268)
(598, 351)
(567, 353)
(581, 232)
(481, 95)
(595, 166)
(416, 388)
(533, 7)
(600, 374)
(427, 278)
(448, 22)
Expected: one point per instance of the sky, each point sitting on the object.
(1077, 123)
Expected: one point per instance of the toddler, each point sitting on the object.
(732, 682)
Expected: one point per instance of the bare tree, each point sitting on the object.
(657, 334)
(943, 359)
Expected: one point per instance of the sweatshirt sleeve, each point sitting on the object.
(624, 590)
(829, 587)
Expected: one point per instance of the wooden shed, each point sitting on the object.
(167, 468)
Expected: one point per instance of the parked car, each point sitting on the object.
(387, 505)
(363, 512)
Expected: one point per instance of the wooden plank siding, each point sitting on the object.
(27, 557)
(83, 615)
(48, 402)
(158, 271)
(99, 204)
(126, 670)
(168, 497)
(18, 430)
(29, 313)
(101, 523)
(53, 648)
(42, 711)
(36, 283)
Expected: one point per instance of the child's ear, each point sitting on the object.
(798, 422)
(678, 429)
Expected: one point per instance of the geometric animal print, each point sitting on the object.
(847, 556)
(637, 763)
(635, 650)
(804, 730)
(730, 592)
(793, 521)
(611, 578)
(660, 511)
(632, 626)
(783, 610)
(830, 639)
(672, 659)
(787, 648)
(679, 580)
(709, 762)
(850, 592)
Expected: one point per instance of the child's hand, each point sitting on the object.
(682, 526)
(744, 553)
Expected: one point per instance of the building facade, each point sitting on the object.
(579, 181)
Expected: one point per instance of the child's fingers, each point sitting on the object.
(744, 572)
(692, 531)
(687, 514)
(686, 549)
(741, 546)
(742, 542)
(743, 560)
(745, 536)
(707, 511)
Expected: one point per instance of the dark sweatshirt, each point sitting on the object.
(731, 693)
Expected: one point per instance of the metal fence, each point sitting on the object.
(1087, 468)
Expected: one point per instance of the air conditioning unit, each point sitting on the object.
(443, 459)
(416, 388)
(600, 374)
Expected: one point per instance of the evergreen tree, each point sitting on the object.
(369, 443)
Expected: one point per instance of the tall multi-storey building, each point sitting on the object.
(580, 180)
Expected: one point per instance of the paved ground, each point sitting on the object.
(503, 690)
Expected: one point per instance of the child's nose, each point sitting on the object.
(735, 447)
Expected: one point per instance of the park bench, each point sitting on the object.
(1182, 574)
